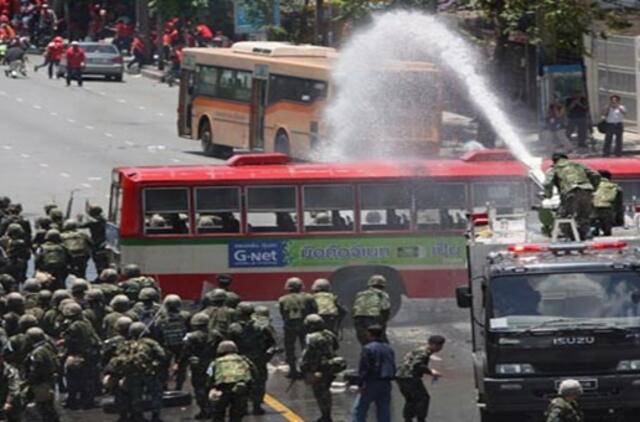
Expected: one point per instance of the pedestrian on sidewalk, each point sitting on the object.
(577, 112)
(376, 371)
(75, 63)
(137, 49)
(554, 135)
(613, 115)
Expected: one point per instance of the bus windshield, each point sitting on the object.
(526, 301)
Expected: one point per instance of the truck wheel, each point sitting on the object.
(206, 139)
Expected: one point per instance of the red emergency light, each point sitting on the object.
(480, 218)
(567, 247)
(528, 248)
(614, 244)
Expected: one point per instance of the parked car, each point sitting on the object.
(101, 59)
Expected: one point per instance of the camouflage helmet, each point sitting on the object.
(313, 322)
(72, 310)
(35, 335)
(14, 301)
(227, 346)
(120, 303)
(8, 281)
(570, 387)
(65, 302)
(79, 286)
(56, 214)
(69, 224)
(131, 271)
(95, 210)
(27, 321)
(58, 296)
(43, 222)
(201, 319)
(293, 284)
(218, 296)
(173, 302)
(148, 293)
(95, 295)
(262, 311)
(31, 285)
(15, 230)
(137, 329)
(49, 206)
(53, 235)
(321, 285)
(5, 201)
(245, 309)
(44, 297)
(377, 280)
(233, 300)
(123, 324)
(109, 275)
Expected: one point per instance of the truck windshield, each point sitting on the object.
(523, 301)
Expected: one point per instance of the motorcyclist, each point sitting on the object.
(15, 58)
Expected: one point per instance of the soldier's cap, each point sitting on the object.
(224, 279)
(558, 156)
(437, 340)
(570, 387)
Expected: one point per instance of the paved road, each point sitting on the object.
(55, 139)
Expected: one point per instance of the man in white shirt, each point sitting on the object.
(614, 116)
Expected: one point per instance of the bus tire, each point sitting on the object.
(206, 138)
(347, 282)
(282, 143)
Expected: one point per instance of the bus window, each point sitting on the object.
(385, 207)
(506, 197)
(630, 190)
(328, 208)
(207, 81)
(234, 85)
(166, 211)
(217, 210)
(441, 206)
(287, 88)
(271, 209)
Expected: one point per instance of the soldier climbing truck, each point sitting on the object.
(542, 312)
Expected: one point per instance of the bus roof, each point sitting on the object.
(468, 167)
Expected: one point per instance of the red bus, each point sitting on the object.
(263, 219)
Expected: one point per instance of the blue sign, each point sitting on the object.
(244, 25)
(257, 253)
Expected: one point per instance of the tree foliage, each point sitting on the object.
(171, 8)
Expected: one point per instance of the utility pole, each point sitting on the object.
(319, 32)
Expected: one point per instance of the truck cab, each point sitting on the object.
(543, 312)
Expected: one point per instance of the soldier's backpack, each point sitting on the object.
(326, 303)
(76, 244)
(232, 369)
(293, 306)
(132, 358)
(173, 329)
(605, 195)
(368, 303)
(220, 319)
(53, 255)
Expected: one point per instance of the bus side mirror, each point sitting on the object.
(463, 296)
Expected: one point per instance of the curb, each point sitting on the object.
(152, 74)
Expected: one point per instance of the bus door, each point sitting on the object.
(258, 104)
(185, 107)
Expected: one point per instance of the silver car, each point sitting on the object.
(101, 59)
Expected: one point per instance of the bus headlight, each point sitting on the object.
(514, 369)
(628, 365)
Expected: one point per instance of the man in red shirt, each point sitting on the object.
(138, 50)
(75, 63)
(204, 35)
(52, 55)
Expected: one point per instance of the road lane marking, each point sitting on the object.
(160, 114)
(141, 107)
(122, 101)
(286, 413)
(175, 160)
(94, 178)
(71, 120)
(8, 147)
(44, 165)
(3, 93)
(23, 155)
(108, 135)
(19, 100)
(89, 127)
(64, 174)
(129, 143)
(53, 113)
(85, 185)
(37, 107)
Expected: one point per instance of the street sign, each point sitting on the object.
(243, 23)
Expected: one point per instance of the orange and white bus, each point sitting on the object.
(270, 97)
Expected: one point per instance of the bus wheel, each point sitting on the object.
(206, 141)
(282, 143)
(347, 282)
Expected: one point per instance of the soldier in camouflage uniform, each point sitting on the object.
(14, 216)
(18, 344)
(224, 283)
(606, 201)
(107, 283)
(372, 307)
(17, 250)
(230, 378)
(409, 377)
(43, 225)
(53, 258)
(294, 307)
(575, 183)
(134, 282)
(111, 344)
(53, 315)
(30, 291)
(82, 351)
(57, 218)
(10, 383)
(331, 311)
(14, 307)
(78, 245)
(79, 288)
(147, 308)
(566, 408)
(220, 315)
(96, 310)
(97, 225)
(197, 353)
(8, 283)
(257, 342)
(171, 327)
(121, 306)
(316, 363)
(41, 367)
(44, 304)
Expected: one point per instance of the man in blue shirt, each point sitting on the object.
(377, 370)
